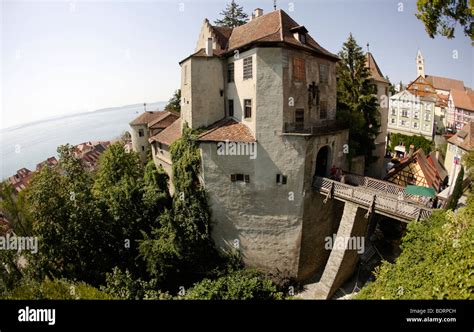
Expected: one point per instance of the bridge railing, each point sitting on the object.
(370, 198)
(387, 187)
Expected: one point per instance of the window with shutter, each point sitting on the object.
(299, 69)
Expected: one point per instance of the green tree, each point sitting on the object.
(68, 223)
(57, 289)
(468, 160)
(181, 248)
(156, 196)
(174, 104)
(233, 16)
(239, 285)
(436, 261)
(15, 208)
(441, 17)
(356, 101)
(419, 142)
(457, 191)
(119, 189)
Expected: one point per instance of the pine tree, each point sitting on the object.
(356, 101)
(174, 104)
(233, 16)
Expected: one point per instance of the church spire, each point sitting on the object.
(420, 64)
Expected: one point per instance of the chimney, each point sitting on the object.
(412, 150)
(258, 12)
(209, 51)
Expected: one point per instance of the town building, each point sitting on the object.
(265, 94)
(377, 169)
(447, 115)
(460, 108)
(458, 145)
(411, 112)
(416, 169)
(140, 132)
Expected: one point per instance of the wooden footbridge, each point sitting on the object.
(374, 195)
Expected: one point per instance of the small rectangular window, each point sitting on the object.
(284, 179)
(141, 132)
(143, 148)
(298, 69)
(281, 179)
(248, 68)
(299, 118)
(323, 109)
(248, 108)
(231, 107)
(278, 178)
(230, 72)
(240, 178)
(323, 73)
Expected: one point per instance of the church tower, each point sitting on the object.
(420, 64)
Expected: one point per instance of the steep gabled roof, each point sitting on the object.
(429, 171)
(169, 135)
(163, 121)
(273, 28)
(463, 99)
(375, 71)
(444, 83)
(146, 117)
(420, 87)
(465, 137)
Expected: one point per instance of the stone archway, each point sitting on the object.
(322, 162)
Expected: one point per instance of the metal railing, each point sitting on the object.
(374, 200)
(319, 128)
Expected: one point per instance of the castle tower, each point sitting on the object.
(420, 64)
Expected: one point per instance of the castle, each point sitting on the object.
(264, 97)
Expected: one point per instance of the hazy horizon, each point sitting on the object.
(72, 114)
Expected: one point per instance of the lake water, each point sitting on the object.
(29, 144)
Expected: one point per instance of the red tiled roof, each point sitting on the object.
(146, 117)
(163, 121)
(430, 172)
(422, 88)
(442, 100)
(169, 135)
(463, 99)
(227, 130)
(444, 83)
(465, 137)
(275, 27)
(375, 71)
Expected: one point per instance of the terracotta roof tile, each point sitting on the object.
(146, 117)
(465, 137)
(375, 71)
(169, 135)
(273, 27)
(463, 99)
(227, 130)
(430, 172)
(444, 83)
(163, 121)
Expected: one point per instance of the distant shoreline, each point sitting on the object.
(60, 117)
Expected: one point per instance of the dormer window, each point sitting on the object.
(299, 33)
(302, 38)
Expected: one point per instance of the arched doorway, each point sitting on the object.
(322, 161)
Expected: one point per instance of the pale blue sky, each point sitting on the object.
(62, 57)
